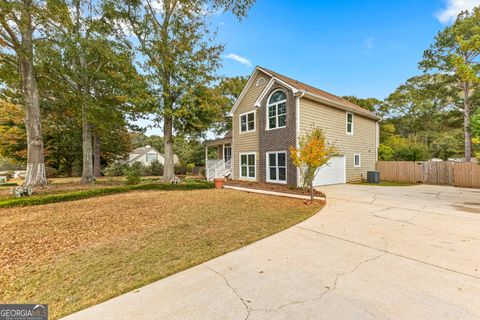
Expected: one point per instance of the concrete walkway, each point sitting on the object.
(371, 253)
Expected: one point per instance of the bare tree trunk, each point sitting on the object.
(87, 165)
(311, 190)
(168, 167)
(96, 155)
(466, 123)
(36, 159)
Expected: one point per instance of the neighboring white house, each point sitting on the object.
(148, 154)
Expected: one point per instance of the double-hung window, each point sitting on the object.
(151, 157)
(247, 122)
(277, 110)
(349, 122)
(277, 166)
(357, 160)
(247, 165)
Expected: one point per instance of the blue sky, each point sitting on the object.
(365, 48)
(361, 47)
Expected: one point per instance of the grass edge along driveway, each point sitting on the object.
(76, 254)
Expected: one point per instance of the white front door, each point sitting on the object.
(334, 172)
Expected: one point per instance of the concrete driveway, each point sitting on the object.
(371, 253)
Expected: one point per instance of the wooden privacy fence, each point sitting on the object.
(459, 174)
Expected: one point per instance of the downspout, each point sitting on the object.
(377, 140)
(297, 127)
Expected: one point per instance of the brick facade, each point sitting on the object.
(277, 139)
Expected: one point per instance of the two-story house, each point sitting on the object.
(270, 115)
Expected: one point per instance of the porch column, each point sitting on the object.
(223, 152)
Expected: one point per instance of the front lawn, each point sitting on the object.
(67, 185)
(49, 195)
(76, 254)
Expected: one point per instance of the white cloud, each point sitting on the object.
(240, 59)
(454, 7)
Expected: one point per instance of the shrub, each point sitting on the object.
(115, 169)
(133, 173)
(412, 153)
(9, 184)
(180, 169)
(190, 167)
(51, 172)
(385, 152)
(191, 184)
(154, 169)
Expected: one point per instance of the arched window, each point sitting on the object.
(277, 110)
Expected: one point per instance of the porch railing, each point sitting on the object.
(217, 168)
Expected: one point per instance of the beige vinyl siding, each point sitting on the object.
(247, 141)
(333, 122)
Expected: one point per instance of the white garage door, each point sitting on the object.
(331, 173)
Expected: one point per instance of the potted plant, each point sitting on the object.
(219, 182)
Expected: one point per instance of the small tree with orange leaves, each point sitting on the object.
(312, 153)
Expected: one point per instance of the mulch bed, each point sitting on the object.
(273, 187)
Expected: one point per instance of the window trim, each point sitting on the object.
(150, 154)
(267, 124)
(225, 153)
(240, 166)
(346, 123)
(267, 166)
(254, 122)
(359, 160)
(260, 81)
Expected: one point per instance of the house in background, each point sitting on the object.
(146, 155)
(270, 115)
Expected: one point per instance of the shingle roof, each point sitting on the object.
(307, 88)
(142, 150)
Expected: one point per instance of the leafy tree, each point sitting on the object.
(412, 152)
(179, 56)
(17, 32)
(13, 144)
(456, 56)
(371, 104)
(385, 152)
(420, 115)
(97, 78)
(416, 104)
(313, 152)
(475, 124)
(229, 89)
(447, 144)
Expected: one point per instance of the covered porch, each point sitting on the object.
(218, 156)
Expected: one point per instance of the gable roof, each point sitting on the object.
(144, 150)
(309, 91)
(141, 151)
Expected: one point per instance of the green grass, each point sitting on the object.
(97, 192)
(77, 254)
(386, 184)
